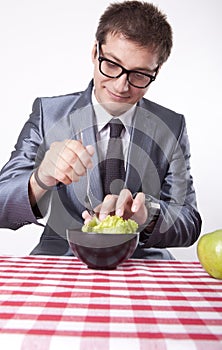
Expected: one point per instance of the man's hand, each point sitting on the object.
(64, 162)
(123, 205)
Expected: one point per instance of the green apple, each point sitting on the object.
(209, 251)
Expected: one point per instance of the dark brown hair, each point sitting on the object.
(140, 22)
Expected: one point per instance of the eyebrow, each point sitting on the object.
(117, 60)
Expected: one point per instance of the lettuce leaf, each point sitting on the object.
(111, 224)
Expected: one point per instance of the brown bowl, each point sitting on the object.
(103, 251)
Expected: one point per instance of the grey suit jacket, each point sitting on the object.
(157, 164)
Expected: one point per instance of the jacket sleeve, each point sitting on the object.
(15, 208)
(178, 222)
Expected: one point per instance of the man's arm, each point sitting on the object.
(178, 223)
(16, 209)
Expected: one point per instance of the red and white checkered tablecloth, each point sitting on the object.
(54, 303)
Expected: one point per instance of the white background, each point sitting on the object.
(46, 50)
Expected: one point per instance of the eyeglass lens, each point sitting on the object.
(113, 70)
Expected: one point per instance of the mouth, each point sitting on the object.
(116, 97)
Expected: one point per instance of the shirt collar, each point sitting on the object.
(103, 117)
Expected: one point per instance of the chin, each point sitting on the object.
(116, 108)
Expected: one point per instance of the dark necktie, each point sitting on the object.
(113, 170)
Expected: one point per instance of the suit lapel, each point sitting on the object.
(141, 143)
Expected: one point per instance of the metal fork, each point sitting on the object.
(87, 202)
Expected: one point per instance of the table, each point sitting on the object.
(58, 303)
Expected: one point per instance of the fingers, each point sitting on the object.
(139, 209)
(107, 207)
(119, 205)
(90, 150)
(86, 216)
(138, 202)
(125, 206)
(77, 156)
(65, 162)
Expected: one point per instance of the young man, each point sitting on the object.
(67, 137)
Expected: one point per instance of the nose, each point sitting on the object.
(121, 84)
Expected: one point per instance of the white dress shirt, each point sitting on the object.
(103, 129)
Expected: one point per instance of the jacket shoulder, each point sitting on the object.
(175, 121)
(52, 109)
(61, 97)
(83, 98)
(60, 100)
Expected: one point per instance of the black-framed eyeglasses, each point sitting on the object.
(112, 69)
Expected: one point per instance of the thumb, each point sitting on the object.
(90, 149)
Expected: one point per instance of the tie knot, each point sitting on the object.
(116, 127)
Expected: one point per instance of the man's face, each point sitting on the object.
(116, 94)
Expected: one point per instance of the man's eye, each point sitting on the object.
(140, 76)
(111, 65)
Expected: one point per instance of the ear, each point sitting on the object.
(159, 69)
(94, 52)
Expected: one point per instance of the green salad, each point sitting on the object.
(111, 224)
